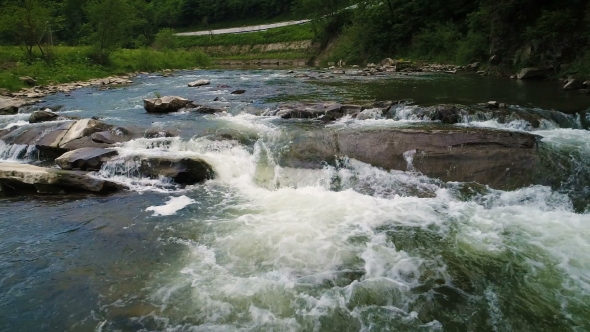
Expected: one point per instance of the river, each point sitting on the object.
(348, 247)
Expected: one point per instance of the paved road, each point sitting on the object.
(251, 28)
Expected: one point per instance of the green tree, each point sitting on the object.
(111, 22)
(27, 22)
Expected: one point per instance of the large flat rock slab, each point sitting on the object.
(10, 106)
(500, 159)
(53, 139)
(22, 178)
(85, 158)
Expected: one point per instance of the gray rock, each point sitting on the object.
(238, 92)
(199, 83)
(186, 171)
(42, 116)
(28, 80)
(166, 104)
(208, 110)
(85, 158)
(534, 73)
(9, 106)
(22, 178)
(54, 139)
(573, 84)
(501, 159)
(116, 135)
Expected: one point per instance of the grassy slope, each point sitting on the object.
(72, 64)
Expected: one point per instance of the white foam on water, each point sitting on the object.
(516, 125)
(18, 153)
(573, 138)
(173, 205)
(269, 260)
(18, 123)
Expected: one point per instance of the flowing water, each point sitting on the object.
(348, 247)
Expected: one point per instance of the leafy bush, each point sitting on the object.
(472, 48)
(438, 43)
(165, 40)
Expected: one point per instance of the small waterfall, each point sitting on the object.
(409, 157)
(17, 152)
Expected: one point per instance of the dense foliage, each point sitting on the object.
(518, 32)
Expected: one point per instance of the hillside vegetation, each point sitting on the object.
(509, 34)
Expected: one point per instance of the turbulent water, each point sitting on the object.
(349, 247)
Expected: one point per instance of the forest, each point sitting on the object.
(511, 33)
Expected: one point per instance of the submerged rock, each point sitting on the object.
(186, 171)
(159, 133)
(166, 104)
(85, 158)
(22, 178)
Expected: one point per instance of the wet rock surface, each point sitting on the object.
(186, 171)
(500, 159)
(85, 159)
(166, 104)
(9, 106)
(22, 178)
(54, 139)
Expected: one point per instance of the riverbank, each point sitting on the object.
(73, 64)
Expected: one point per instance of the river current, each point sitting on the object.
(349, 247)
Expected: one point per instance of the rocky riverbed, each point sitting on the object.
(269, 200)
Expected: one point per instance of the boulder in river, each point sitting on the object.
(185, 171)
(500, 159)
(85, 158)
(238, 92)
(534, 73)
(114, 135)
(10, 106)
(573, 83)
(54, 139)
(199, 83)
(22, 178)
(207, 109)
(166, 104)
(43, 116)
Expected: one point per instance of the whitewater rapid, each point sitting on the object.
(288, 250)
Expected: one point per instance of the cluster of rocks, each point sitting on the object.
(79, 146)
(9, 106)
(36, 91)
(449, 114)
(330, 111)
(389, 65)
